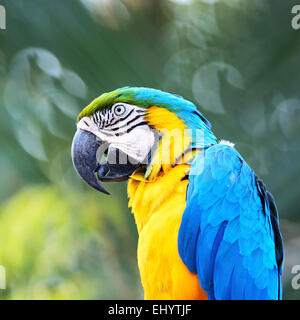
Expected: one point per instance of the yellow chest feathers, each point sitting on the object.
(158, 206)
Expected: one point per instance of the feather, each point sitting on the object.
(227, 235)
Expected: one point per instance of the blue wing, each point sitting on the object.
(229, 233)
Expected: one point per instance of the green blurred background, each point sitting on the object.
(237, 59)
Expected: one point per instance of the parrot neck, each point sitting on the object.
(173, 140)
(146, 197)
(154, 186)
(176, 138)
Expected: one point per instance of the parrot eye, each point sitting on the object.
(119, 109)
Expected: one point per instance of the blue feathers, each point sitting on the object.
(229, 234)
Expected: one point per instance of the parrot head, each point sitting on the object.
(135, 128)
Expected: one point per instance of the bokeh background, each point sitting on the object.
(237, 59)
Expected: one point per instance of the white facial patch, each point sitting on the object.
(128, 132)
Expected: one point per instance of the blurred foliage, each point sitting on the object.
(237, 59)
(62, 245)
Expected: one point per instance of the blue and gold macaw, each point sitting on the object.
(208, 228)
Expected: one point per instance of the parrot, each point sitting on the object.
(208, 229)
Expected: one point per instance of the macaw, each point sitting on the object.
(208, 228)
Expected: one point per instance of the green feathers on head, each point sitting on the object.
(139, 96)
(108, 99)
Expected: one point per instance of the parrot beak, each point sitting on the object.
(87, 149)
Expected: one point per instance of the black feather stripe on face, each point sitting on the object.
(111, 124)
(122, 119)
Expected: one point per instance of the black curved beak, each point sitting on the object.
(84, 149)
(87, 149)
